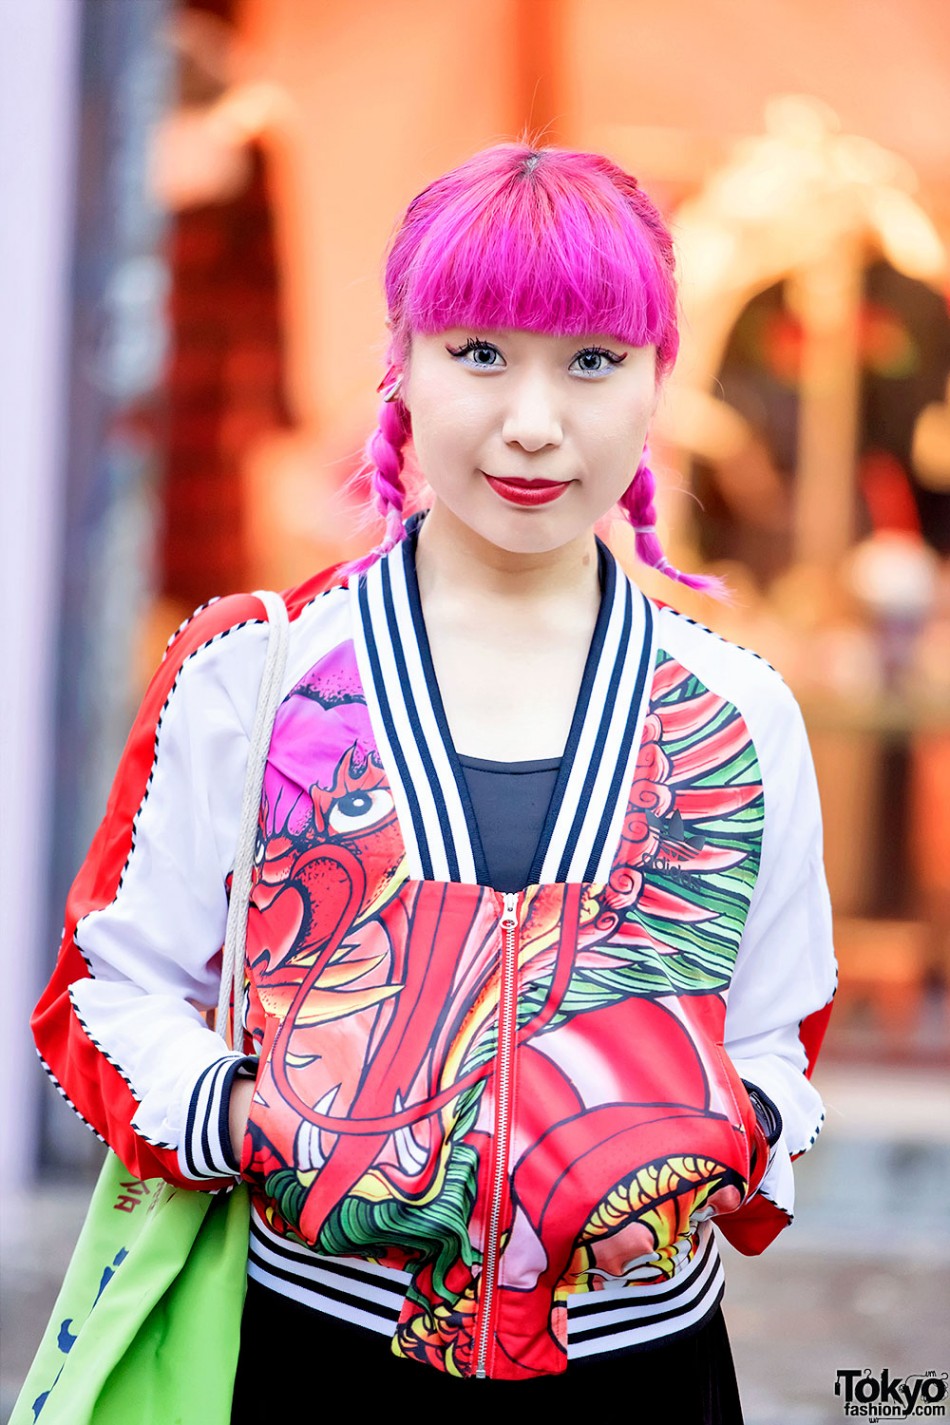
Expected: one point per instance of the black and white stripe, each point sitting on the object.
(582, 829)
(206, 1150)
(349, 1289)
(395, 669)
(579, 841)
(370, 1296)
(614, 1319)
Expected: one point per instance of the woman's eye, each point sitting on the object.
(357, 810)
(595, 360)
(483, 354)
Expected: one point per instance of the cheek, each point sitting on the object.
(429, 441)
(637, 429)
(614, 451)
(446, 434)
(613, 426)
(612, 462)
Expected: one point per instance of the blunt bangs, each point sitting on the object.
(537, 240)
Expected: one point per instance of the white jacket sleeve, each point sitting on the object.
(785, 973)
(121, 1028)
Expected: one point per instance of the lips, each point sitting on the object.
(527, 492)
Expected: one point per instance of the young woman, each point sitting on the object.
(539, 948)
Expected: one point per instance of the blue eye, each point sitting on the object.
(485, 356)
(596, 360)
(483, 353)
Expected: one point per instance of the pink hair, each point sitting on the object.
(534, 239)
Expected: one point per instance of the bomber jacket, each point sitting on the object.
(494, 1124)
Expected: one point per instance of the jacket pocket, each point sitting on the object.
(743, 1118)
(270, 1143)
(250, 1158)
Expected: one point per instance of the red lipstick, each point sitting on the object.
(527, 492)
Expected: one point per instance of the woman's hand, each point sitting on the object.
(726, 1200)
(239, 1107)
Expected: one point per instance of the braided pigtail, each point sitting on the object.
(637, 505)
(385, 457)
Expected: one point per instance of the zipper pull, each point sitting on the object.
(509, 917)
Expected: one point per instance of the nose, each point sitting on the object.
(533, 418)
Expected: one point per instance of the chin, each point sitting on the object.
(528, 533)
(518, 530)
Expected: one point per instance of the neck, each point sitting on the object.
(461, 572)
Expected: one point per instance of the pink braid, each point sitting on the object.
(636, 502)
(385, 458)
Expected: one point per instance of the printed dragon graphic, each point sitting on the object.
(374, 1001)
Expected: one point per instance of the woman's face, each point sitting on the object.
(528, 438)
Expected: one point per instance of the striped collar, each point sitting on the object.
(582, 829)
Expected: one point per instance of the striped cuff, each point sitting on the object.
(770, 1120)
(768, 1131)
(206, 1151)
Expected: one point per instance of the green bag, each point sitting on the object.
(146, 1327)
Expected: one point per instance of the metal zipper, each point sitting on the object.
(507, 1018)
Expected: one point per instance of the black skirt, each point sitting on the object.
(286, 1347)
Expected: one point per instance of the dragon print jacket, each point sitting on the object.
(499, 1113)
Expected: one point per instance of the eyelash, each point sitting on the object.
(476, 343)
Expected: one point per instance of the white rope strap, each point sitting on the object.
(268, 701)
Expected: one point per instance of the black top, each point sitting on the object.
(510, 801)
